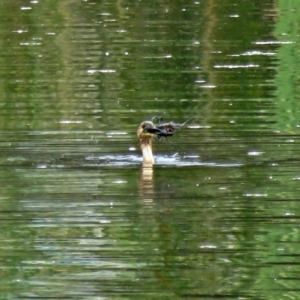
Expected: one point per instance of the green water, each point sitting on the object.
(218, 218)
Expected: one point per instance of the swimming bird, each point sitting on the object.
(147, 130)
(145, 133)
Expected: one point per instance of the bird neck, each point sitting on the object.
(146, 147)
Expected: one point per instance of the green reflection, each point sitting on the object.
(287, 92)
(79, 217)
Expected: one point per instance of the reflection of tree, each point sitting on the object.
(111, 65)
(173, 54)
(231, 42)
(287, 77)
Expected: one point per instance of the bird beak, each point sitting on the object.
(152, 130)
(148, 131)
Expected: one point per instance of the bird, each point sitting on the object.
(145, 132)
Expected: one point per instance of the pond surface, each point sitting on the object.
(217, 217)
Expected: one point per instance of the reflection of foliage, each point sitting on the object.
(98, 62)
(287, 79)
(105, 65)
(32, 62)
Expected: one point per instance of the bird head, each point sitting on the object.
(147, 130)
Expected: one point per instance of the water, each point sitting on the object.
(217, 217)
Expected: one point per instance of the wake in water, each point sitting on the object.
(161, 160)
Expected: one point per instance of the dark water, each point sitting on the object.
(218, 218)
